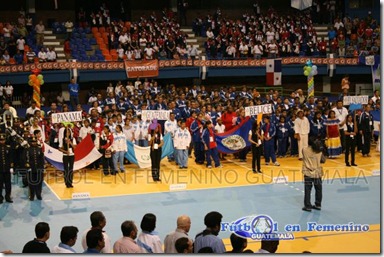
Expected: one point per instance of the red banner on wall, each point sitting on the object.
(142, 69)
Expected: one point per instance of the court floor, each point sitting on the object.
(350, 194)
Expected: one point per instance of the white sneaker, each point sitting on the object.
(276, 164)
(209, 167)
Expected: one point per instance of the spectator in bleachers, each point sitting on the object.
(40, 28)
(42, 55)
(30, 56)
(51, 54)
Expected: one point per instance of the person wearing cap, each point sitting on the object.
(5, 173)
(35, 162)
(67, 145)
(302, 129)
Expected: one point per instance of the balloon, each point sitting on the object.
(41, 82)
(30, 82)
(306, 73)
(32, 77)
(308, 69)
(309, 63)
(40, 77)
(35, 71)
(314, 68)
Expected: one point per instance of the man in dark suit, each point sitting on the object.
(5, 170)
(365, 125)
(35, 157)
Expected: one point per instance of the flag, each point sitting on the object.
(376, 122)
(236, 139)
(273, 72)
(331, 67)
(85, 154)
(141, 156)
(203, 70)
(353, 107)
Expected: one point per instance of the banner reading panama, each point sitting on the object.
(66, 117)
(236, 139)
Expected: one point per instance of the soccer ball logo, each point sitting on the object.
(262, 224)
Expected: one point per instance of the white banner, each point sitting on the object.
(66, 117)
(143, 156)
(358, 99)
(254, 110)
(153, 114)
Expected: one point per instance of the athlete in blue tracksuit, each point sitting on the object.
(293, 141)
(268, 130)
(210, 146)
(282, 137)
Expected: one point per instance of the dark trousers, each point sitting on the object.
(74, 100)
(367, 143)
(5, 181)
(68, 162)
(35, 182)
(294, 146)
(269, 150)
(155, 160)
(243, 153)
(107, 165)
(342, 139)
(215, 156)
(256, 154)
(199, 152)
(350, 145)
(308, 183)
(359, 143)
(282, 146)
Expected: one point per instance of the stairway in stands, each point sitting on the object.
(195, 41)
(322, 32)
(57, 42)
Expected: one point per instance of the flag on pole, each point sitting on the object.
(331, 67)
(273, 72)
(85, 154)
(203, 69)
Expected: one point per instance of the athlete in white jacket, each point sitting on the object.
(119, 148)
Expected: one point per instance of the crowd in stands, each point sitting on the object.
(270, 34)
(254, 35)
(96, 240)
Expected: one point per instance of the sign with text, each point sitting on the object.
(155, 114)
(358, 99)
(66, 117)
(255, 110)
(142, 69)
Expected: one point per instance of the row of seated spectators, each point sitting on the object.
(270, 35)
(352, 37)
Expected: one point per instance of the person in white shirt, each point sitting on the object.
(31, 110)
(20, 44)
(129, 131)
(42, 55)
(220, 127)
(231, 51)
(181, 141)
(210, 34)
(68, 238)
(376, 96)
(51, 54)
(148, 238)
(119, 148)
(341, 114)
(148, 52)
(98, 221)
(258, 51)
(120, 53)
(302, 129)
(141, 133)
(85, 130)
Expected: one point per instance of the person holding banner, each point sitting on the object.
(155, 142)
(210, 146)
(256, 139)
(67, 145)
(350, 140)
(268, 131)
